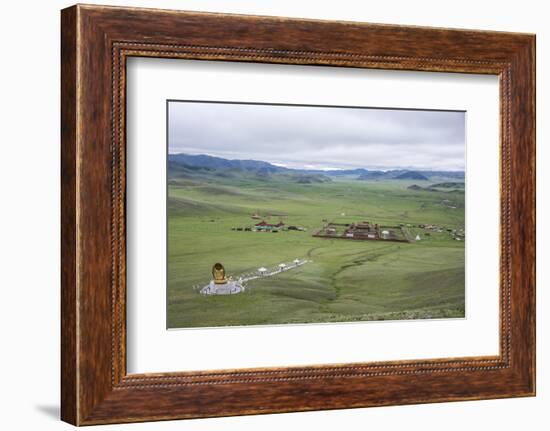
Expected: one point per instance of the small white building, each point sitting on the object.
(262, 271)
(296, 261)
(282, 266)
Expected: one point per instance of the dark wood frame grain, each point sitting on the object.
(95, 43)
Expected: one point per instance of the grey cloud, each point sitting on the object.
(320, 137)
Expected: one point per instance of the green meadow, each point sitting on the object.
(344, 281)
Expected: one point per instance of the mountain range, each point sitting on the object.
(203, 162)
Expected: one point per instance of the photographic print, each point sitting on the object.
(301, 214)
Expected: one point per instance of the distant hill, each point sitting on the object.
(204, 167)
(310, 178)
(455, 175)
(371, 175)
(212, 162)
(411, 175)
(344, 172)
(448, 185)
(451, 186)
(184, 165)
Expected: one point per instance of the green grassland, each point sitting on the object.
(345, 281)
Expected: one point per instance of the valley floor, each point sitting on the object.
(343, 280)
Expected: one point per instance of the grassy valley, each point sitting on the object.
(343, 280)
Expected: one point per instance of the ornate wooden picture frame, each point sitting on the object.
(96, 41)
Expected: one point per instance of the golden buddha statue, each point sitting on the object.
(218, 272)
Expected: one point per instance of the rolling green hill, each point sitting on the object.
(345, 280)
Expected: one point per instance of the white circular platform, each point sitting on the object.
(229, 288)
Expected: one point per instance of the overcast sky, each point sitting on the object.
(320, 137)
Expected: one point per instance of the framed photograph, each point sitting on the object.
(264, 214)
(312, 175)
